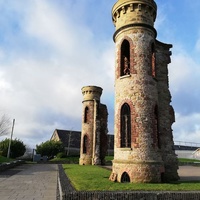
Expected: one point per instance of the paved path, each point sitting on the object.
(29, 182)
(39, 181)
(189, 173)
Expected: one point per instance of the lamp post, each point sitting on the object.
(8, 154)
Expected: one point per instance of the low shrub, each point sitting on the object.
(61, 155)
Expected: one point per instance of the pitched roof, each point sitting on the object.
(69, 138)
(75, 138)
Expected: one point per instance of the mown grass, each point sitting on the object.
(68, 159)
(4, 159)
(187, 160)
(94, 178)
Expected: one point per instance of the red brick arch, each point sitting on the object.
(134, 133)
(132, 57)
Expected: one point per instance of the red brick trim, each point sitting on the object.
(134, 132)
(132, 57)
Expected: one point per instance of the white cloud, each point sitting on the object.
(44, 22)
(51, 49)
(4, 85)
(42, 89)
(187, 128)
(183, 72)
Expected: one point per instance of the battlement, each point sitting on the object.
(134, 12)
(91, 93)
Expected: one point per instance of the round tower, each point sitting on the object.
(88, 149)
(136, 150)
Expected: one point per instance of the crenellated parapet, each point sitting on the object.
(91, 93)
(138, 12)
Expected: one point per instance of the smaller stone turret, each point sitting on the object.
(91, 93)
(94, 127)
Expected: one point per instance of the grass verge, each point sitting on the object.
(94, 178)
(187, 160)
(70, 159)
(4, 159)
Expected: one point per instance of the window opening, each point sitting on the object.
(125, 126)
(86, 114)
(85, 141)
(162, 176)
(153, 61)
(156, 127)
(125, 58)
(125, 178)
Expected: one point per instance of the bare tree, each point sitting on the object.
(5, 125)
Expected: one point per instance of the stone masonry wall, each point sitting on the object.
(87, 129)
(144, 89)
(103, 132)
(166, 113)
(94, 126)
(139, 90)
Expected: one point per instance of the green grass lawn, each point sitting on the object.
(94, 178)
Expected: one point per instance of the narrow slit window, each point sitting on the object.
(153, 61)
(156, 127)
(86, 114)
(125, 126)
(85, 141)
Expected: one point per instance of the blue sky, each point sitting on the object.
(50, 49)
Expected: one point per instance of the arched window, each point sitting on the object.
(86, 114)
(85, 142)
(125, 126)
(153, 60)
(125, 178)
(125, 58)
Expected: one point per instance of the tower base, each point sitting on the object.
(85, 160)
(137, 172)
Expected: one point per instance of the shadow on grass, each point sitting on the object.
(192, 181)
(65, 168)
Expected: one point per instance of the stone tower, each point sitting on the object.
(143, 149)
(94, 128)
